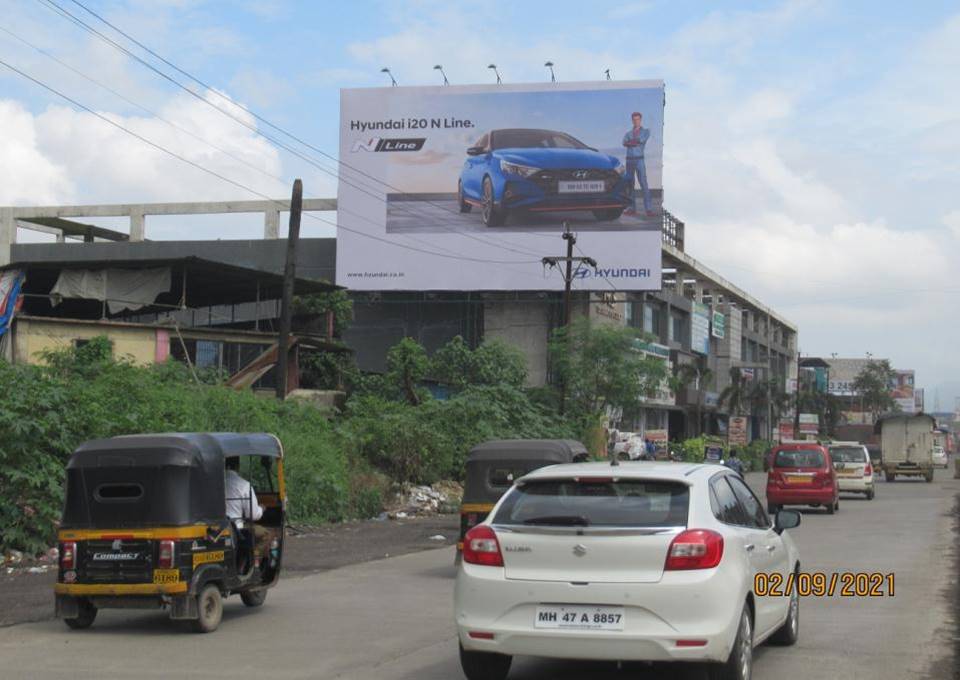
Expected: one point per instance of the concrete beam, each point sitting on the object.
(137, 225)
(8, 234)
(271, 224)
(211, 208)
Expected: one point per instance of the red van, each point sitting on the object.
(802, 474)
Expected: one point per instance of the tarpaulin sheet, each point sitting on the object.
(121, 288)
(11, 283)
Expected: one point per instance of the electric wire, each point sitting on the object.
(240, 185)
(258, 117)
(280, 180)
(363, 188)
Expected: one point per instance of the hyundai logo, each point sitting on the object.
(579, 550)
(581, 174)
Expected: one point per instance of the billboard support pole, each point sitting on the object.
(289, 277)
(569, 259)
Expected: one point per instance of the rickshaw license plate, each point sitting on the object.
(164, 576)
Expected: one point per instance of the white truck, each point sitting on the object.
(907, 442)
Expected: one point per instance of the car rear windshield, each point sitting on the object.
(848, 454)
(622, 503)
(534, 139)
(803, 458)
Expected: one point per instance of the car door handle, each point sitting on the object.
(749, 547)
(771, 548)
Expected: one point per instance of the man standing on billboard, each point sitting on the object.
(636, 140)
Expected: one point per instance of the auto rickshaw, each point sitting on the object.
(145, 525)
(492, 467)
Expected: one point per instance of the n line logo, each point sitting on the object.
(383, 144)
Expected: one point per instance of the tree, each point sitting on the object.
(406, 365)
(318, 304)
(687, 374)
(770, 394)
(601, 367)
(873, 385)
(492, 363)
(736, 395)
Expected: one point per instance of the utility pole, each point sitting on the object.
(796, 413)
(569, 259)
(289, 277)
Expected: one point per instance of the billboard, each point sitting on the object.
(719, 325)
(902, 390)
(468, 187)
(700, 328)
(737, 431)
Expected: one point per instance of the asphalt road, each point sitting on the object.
(392, 618)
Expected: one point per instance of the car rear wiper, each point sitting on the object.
(560, 520)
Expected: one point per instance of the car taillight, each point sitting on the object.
(694, 549)
(480, 546)
(167, 554)
(68, 555)
(867, 470)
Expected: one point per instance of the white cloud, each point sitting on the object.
(64, 156)
(952, 220)
(27, 176)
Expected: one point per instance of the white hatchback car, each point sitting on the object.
(637, 561)
(851, 462)
(939, 456)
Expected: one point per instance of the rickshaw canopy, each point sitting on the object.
(492, 466)
(154, 480)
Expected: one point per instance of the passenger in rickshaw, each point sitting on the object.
(242, 505)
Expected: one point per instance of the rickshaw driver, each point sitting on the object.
(242, 503)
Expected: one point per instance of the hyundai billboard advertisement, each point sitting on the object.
(469, 187)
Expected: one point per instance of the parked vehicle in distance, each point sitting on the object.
(907, 441)
(802, 474)
(510, 170)
(145, 526)
(492, 467)
(939, 457)
(853, 466)
(652, 562)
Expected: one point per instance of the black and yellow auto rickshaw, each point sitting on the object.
(492, 467)
(145, 525)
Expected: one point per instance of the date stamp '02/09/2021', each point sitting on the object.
(822, 584)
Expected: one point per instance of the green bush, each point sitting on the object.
(393, 432)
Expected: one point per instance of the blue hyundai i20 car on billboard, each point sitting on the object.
(540, 171)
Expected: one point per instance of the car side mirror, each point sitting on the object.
(786, 519)
(476, 151)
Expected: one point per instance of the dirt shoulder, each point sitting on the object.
(28, 597)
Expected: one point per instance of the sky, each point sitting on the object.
(812, 147)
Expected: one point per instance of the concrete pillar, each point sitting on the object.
(8, 234)
(137, 225)
(526, 326)
(271, 223)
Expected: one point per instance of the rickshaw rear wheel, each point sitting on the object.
(86, 617)
(253, 598)
(209, 609)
